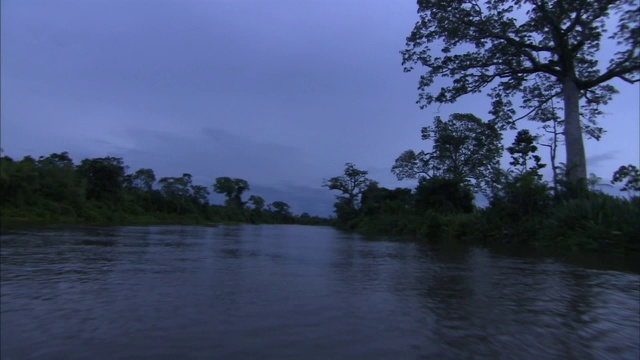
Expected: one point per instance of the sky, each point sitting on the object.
(281, 93)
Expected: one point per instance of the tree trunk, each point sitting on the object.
(553, 148)
(576, 160)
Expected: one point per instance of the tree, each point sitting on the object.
(282, 211)
(232, 189)
(257, 202)
(104, 176)
(443, 196)
(20, 181)
(464, 148)
(522, 151)
(379, 200)
(631, 174)
(351, 185)
(200, 195)
(177, 190)
(58, 179)
(492, 43)
(142, 179)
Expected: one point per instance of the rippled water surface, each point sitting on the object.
(294, 292)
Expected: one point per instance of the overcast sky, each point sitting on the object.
(280, 93)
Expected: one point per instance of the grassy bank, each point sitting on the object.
(597, 222)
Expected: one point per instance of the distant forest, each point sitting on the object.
(53, 189)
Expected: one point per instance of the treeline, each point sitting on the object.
(522, 206)
(53, 189)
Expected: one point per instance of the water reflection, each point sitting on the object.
(299, 292)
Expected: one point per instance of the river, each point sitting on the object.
(299, 292)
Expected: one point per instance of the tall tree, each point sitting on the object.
(351, 185)
(509, 44)
(58, 179)
(464, 148)
(232, 189)
(282, 211)
(177, 190)
(257, 202)
(104, 176)
(142, 179)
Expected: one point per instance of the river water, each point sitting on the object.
(296, 292)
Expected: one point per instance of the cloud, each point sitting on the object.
(600, 158)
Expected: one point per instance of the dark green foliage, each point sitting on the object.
(104, 178)
(142, 179)
(345, 213)
(232, 189)
(464, 147)
(597, 222)
(20, 182)
(523, 153)
(53, 190)
(282, 212)
(630, 175)
(443, 196)
(521, 196)
(380, 200)
(351, 185)
(522, 210)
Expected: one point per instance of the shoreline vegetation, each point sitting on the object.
(53, 190)
(523, 209)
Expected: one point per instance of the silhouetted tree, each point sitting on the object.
(104, 177)
(464, 148)
(232, 189)
(628, 174)
(490, 43)
(351, 185)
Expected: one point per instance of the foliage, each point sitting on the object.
(380, 200)
(488, 43)
(257, 202)
(630, 175)
(104, 177)
(522, 151)
(142, 179)
(232, 189)
(520, 196)
(53, 189)
(351, 185)
(597, 222)
(444, 196)
(282, 211)
(464, 148)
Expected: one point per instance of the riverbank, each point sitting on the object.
(38, 217)
(598, 223)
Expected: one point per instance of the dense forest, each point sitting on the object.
(523, 208)
(53, 189)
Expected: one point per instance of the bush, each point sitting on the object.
(443, 195)
(521, 196)
(596, 222)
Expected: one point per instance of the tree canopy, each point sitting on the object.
(351, 185)
(464, 148)
(540, 49)
(232, 189)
